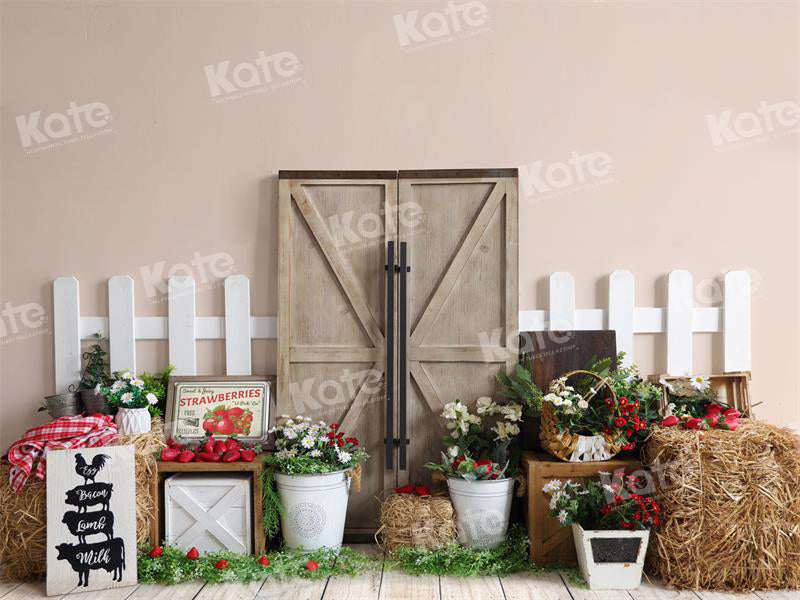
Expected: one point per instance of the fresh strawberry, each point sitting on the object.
(231, 456)
(219, 447)
(232, 444)
(169, 454)
(732, 412)
(156, 552)
(263, 561)
(693, 423)
(712, 419)
(669, 421)
(222, 564)
(209, 445)
(421, 490)
(248, 455)
(210, 457)
(406, 489)
(173, 443)
(311, 565)
(713, 408)
(186, 456)
(193, 554)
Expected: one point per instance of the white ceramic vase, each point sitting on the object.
(482, 510)
(316, 506)
(611, 560)
(133, 421)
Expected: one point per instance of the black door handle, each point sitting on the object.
(389, 355)
(402, 352)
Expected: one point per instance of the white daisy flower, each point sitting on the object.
(554, 500)
(562, 517)
(307, 442)
(289, 433)
(344, 457)
(126, 398)
(583, 404)
(127, 375)
(315, 453)
(137, 382)
(552, 486)
(700, 383)
(117, 386)
(152, 398)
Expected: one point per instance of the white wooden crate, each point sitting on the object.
(209, 511)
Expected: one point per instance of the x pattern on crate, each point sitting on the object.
(679, 320)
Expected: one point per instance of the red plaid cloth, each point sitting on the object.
(64, 432)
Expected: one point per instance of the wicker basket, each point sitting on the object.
(572, 447)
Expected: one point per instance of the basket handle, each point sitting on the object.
(604, 382)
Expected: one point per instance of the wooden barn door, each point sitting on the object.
(332, 306)
(460, 231)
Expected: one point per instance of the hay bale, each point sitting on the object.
(731, 508)
(410, 521)
(23, 524)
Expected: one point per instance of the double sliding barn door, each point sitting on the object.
(398, 294)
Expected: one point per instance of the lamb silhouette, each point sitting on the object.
(90, 471)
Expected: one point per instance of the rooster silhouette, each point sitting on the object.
(90, 471)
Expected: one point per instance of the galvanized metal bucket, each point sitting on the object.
(64, 405)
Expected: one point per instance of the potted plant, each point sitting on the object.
(476, 465)
(312, 466)
(610, 526)
(95, 375)
(520, 388)
(134, 403)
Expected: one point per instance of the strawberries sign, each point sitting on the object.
(218, 406)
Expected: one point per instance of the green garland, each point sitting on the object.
(172, 567)
(271, 503)
(454, 560)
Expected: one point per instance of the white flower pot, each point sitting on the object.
(131, 421)
(482, 510)
(611, 560)
(316, 506)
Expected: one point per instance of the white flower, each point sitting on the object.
(289, 433)
(583, 404)
(608, 488)
(551, 397)
(127, 375)
(315, 453)
(512, 411)
(555, 498)
(290, 421)
(504, 431)
(137, 382)
(567, 402)
(307, 442)
(117, 386)
(552, 486)
(97, 388)
(453, 451)
(344, 457)
(449, 411)
(127, 398)
(152, 398)
(464, 427)
(700, 383)
(562, 517)
(667, 385)
(486, 405)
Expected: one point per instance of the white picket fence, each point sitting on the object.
(182, 328)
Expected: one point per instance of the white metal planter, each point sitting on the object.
(316, 506)
(611, 560)
(132, 421)
(482, 510)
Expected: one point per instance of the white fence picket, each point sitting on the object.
(562, 302)
(679, 323)
(182, 347)
(621, 311)
(66, 333)
(736, 317)
(121, 327)
(237, 326)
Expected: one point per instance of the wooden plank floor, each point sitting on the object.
(385, 584)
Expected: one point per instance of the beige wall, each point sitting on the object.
(182, 174)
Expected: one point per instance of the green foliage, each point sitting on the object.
(156, 383)
(454, 560)
(173, 567)
(95, 372)
(124, 390)
(272, 507)
(520, 388)
(303, 448)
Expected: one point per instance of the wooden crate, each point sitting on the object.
(253, 471)
(733, 389)
(209, 511)
(549, 541)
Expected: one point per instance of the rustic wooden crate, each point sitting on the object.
(209, 512)
(252, 471)
(549, 541)
(733, 389)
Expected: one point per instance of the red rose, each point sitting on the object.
(669, 421)
(333, 426)
(609, 403)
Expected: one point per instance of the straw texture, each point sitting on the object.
(409, 521)
(731, 508)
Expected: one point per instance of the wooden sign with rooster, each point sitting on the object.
(91, 519)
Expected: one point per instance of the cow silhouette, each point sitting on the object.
(108, 555)
(90, 523)
(90, 495)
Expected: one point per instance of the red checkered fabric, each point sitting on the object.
(64, 432)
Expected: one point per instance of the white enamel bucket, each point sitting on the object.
(316, 506)
(482, 510)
